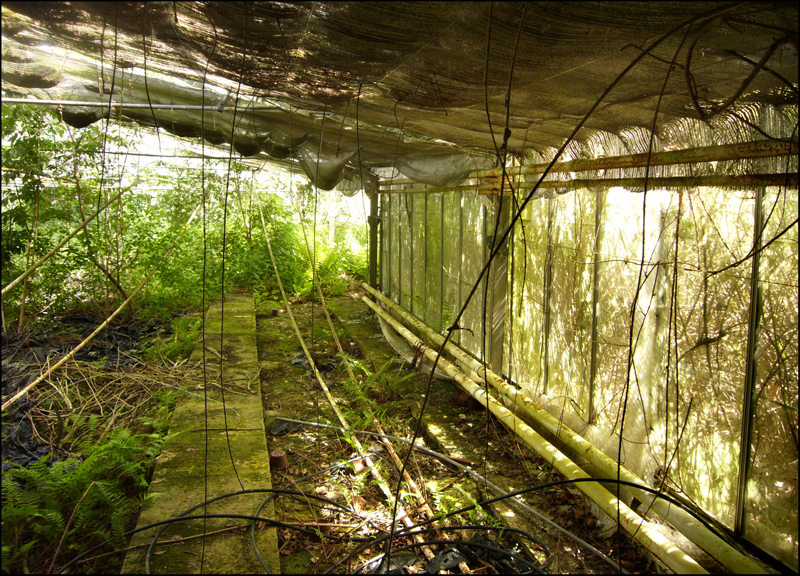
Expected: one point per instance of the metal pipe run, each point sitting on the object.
(719, 181)
(716, 181)
(641, 530)
(741, 151)
(715, 546)
(131, 105)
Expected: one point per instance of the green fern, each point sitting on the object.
(39, 500)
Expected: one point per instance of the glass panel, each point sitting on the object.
(571, 299)
(618, 270)
(472, 263)
(433, 260)
(406, 258)
(712, 325)
(419, 253)
(771, 506)
(394, 240)
(526, 318)
(385, 233)
(451, 266)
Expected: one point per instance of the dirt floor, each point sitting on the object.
(345, 530)
(394, 392)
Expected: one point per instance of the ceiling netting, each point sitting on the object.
(345, 88)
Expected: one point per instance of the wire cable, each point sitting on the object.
(336, 466)
(485, 481)
(224, 245)
(704, 16)
(203, 282)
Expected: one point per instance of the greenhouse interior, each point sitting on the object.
(514, 285)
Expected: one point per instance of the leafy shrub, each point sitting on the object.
(118, 250)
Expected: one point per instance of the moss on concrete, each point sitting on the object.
(182, 467)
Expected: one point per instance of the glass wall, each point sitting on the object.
(673, 364)
(771, 505)
(434, 249)
(638, 319)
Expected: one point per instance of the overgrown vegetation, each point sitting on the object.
(55, 178)
(179, 344)
(370, 392)
(56, 508)
(94, 476)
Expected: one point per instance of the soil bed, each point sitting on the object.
(394, 391)
(105, 397)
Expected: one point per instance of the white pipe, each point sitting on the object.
(641, 530)
(716, 547)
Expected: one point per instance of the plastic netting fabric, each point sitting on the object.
(418, 86)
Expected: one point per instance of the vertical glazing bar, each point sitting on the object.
(485, 342)
(373, 240)
(399, 228)
(425, 261)
(510, 298)
(750, 367)
(548, 277)
(390, 260)
(441, 261)
(457, 335)
(410, 215)
(381, 255)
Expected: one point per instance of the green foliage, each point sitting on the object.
(158, 421)
(370, 392)
(110, 476)
(49, 172)
(338, 263)
(443, 502)
(355, 488)
(179, 345)
(453, 497)
(382, 388)
(267, 298)
(448, 313)
(52, 177)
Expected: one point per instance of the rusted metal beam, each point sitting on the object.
(719, 181)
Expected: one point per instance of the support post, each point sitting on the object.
(373, 239)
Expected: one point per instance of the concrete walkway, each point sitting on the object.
(181, 470)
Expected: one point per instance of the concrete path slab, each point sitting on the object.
(237, 457)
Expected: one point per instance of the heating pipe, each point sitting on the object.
(682, 521)
(641, 530)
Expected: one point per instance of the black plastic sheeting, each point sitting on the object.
(115, 348)
(478, 552)
(395, 79)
